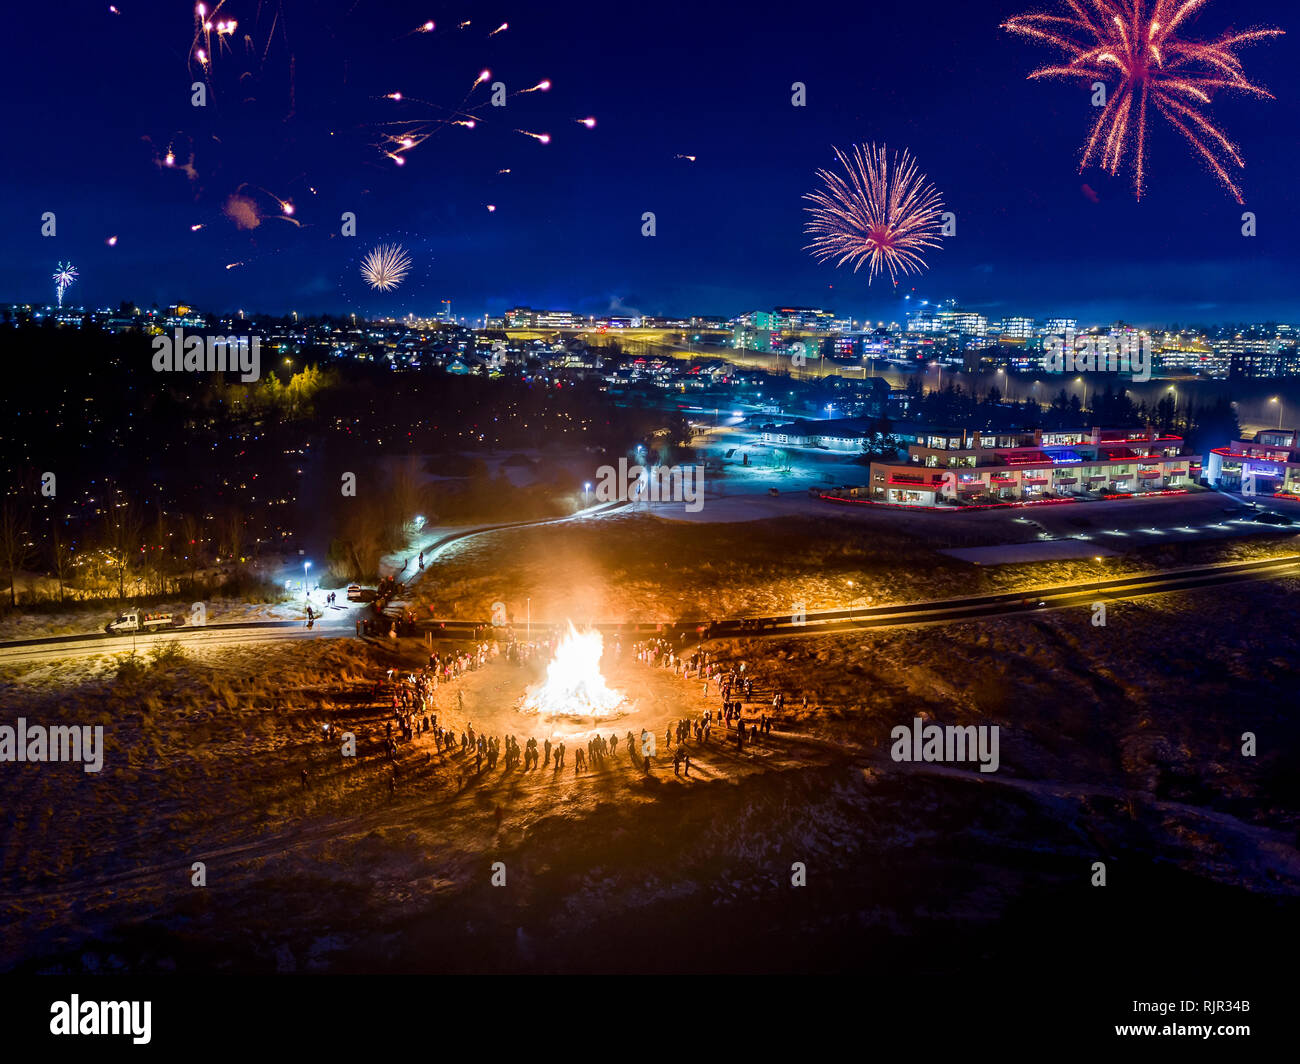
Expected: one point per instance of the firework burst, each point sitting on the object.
(1140, 43)
(877, 214)
(64, 274)
(386, 266)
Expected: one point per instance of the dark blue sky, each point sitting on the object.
(91, 101)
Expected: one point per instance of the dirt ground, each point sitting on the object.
(1119, 744)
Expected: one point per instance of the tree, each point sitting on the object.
(232, 535)
(15, 543)
(61, 555)
(122, 527)
(192, 544)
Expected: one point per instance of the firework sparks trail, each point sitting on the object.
(386, 266)
(1140, 43)
(397, 137)
(874, 214)
(64, 274)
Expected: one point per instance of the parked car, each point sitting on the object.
(357, 593)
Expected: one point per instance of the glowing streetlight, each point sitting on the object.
(1280, 406)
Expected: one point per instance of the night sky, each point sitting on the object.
(92, 101)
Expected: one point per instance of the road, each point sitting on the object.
(816, 622)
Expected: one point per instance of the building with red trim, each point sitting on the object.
(1269, 464)
(964, 465)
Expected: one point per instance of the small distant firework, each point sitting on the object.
(491, 207)
(590, 123)
(111, 241)
(877, 214)
(688, 158)
(544, 138)
(1138, 42)
(64, 274)
(386, 266)
(500, 29)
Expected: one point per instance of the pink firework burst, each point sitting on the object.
(876, 213)
(1136, 48)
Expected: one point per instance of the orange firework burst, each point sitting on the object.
(1139, 41)
(876, 214)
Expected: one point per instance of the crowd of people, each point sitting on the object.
(411, 698)
(728, 680)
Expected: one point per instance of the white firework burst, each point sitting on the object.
(386, 266)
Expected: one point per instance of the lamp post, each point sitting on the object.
(1085, 391)
(1007, 383)
(586, 490)
(1280, 406)
(306, 595)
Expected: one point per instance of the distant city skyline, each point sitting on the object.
(477, 320)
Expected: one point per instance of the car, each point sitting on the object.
(357, 593)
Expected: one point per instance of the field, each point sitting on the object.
(1119, 744)
(642, 568)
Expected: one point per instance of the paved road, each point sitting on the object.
(817, 622)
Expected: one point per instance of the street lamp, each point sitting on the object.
(1085, 391)
(586, 490)
(1280, 406)
(1006, 382)
(306, 595)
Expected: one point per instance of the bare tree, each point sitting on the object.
(233, 535)
(192, 535)
(16, 548)
(62, 556)
(122, 527)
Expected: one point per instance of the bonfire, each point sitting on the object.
(574, 685)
